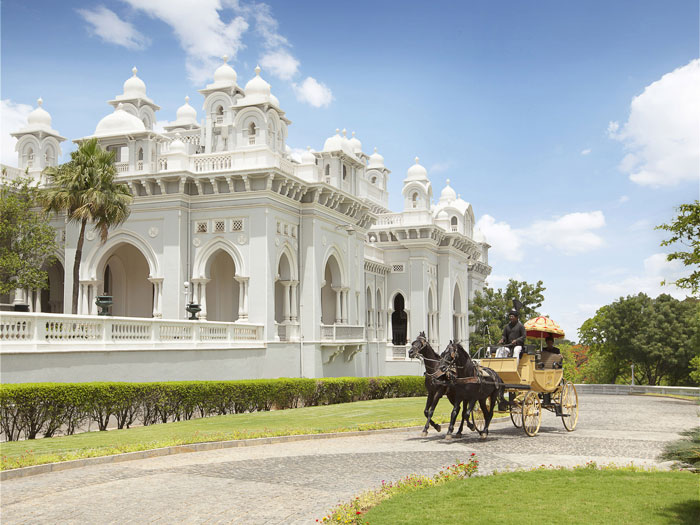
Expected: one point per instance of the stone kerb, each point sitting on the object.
(637, 389)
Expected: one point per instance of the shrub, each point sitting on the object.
(28, 409)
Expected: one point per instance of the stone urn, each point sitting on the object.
(104, 302)
(193, 309)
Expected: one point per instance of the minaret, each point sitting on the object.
(135, 101)
(38, 145)
(417, 190)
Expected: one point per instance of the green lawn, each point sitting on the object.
(361, 415)
(550, 496)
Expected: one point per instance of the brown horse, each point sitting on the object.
(469, 383)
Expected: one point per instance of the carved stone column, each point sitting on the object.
(242, 297)
(199, 295)
(157, 296)
(338, 303)
(295, 302)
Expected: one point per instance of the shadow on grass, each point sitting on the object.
(684, 513)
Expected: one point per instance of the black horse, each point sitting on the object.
(435, 377)
(467, 384)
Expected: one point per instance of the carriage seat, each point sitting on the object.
(550, 360)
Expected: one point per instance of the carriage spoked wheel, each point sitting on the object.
(532, 413)
(569, 406)
(516, 411)
(478, 418)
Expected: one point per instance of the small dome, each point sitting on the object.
(417, 173)
(376, 161)
(448, 194)
(177, 146)
(39, 118)
(308, 157)
(186, 114)
(134, 87)
(338, 143)
(355, 144)
(257, 86)
(479, 235)
(275, 101)
(119, 122)
(225, 74)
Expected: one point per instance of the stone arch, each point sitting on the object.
(29, 150)
(284, 274)
(94, 262)
(52, 297)
(124, 273)
(214, 101)
(199, 268)
(222, 294)
(380, 311)
(368, 307)
(331, 289)
(399, 319)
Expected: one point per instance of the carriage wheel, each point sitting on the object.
(478, 417)
(516, 411)
(569, 406)
(532, 413)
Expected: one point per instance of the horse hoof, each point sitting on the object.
(471, 427)
(458, 435)
(438, 428)
(424, 433)
(448, 437)
(482, 436)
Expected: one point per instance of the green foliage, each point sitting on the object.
(686, 451)
(29, 409)
(489, 310)
(685, 229)
(27, 242)
(659, 336)
(85, 189)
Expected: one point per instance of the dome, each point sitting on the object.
(186, 114)
(338, 143)
(275, 101)
(119, 122)
(308, 157)
(225, 74)
(416, 173)
(177, 146)
(134, 87)
(479, 235)
(376, 161)
(257, 86)
(39, 118)
(355, 144)
(448, 194)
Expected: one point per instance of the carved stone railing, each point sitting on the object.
(390, 219)
(288, 331)
(342, 333)
(211, 162)
(121, 167)
(27, 332)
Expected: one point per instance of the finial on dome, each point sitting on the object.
(447, 182)
(257, 71)
(345, 133)
(39, 101)
(134, 70)
(187, 99)
(224, 58)
(375, 149)
(120, 106)
(337, 131)
(417, 159)
(353, 133)
(308, 148)
(459, 195)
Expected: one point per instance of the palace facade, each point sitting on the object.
(297, 262)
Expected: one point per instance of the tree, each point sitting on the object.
(657, 335)
(686, 229)
(84, 188)
(489, 310)
(26, 241)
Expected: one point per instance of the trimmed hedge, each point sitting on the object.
(31, 409)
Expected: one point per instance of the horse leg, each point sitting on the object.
(455, 412)
(428, 413)
(431, 411)
(468, 407)
(489, 415)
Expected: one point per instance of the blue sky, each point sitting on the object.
(572, 128)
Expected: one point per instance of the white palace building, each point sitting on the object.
(300, 268)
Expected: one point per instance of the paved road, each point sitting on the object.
(298, 482)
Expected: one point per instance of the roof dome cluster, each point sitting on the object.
(376, 161)
(186, 114)
(448, 194)
(177, 146)
(355, 144)
(39, 118)
(339, 143)
(118, 123)
(224, 75)
(257, 91)
(416, 173)
(307, 157)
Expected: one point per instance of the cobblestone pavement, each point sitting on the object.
(298, 482)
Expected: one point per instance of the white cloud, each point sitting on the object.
(656, 269)
(504, 241)
(570, 234)
(281, 64)
(159, 126)
(313, 92)
(623, 199)
(586, 151)
(295, 153)
(14, 117)
(662, 134)
(109, 27)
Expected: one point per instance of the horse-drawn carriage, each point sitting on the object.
(534, 382)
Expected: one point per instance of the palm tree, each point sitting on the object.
(84, 188)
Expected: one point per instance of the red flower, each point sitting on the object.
(358, 512)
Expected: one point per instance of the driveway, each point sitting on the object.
(298, 482)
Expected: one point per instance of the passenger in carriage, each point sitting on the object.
(513, 336)
(549, 342)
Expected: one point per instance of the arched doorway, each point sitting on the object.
(283, 296)
(125, 278)
(332, 294)
(432, 316)
(399, 321)
(457, 315)
(222, 293)
(52, 298)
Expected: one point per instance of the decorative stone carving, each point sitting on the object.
(196, 242)
(242, 239)
(153, 231)
(90, 235)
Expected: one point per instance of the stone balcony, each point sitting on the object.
(36, 332)
(342, 333)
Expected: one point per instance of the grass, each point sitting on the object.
(361, 415)
(583, 495)
(674, 396)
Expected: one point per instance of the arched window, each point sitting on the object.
(399, 321)
(453, 224)
(414, 199)
(251, 133)
(327, 172)
(374, 180)
(30, 157)
(220, 110)
(345, 172)
(140, 154)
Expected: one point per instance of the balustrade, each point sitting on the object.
(342, 332)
